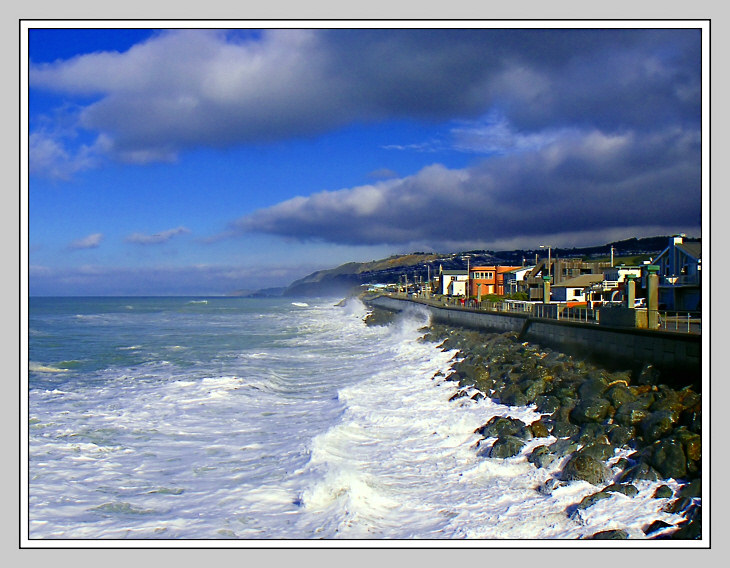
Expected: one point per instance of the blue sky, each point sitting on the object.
(194, 161)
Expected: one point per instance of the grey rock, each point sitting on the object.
(586, 468)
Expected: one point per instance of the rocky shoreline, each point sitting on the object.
(590, 411)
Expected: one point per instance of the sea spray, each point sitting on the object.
(275, 421)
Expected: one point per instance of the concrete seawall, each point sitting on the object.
(677, 356)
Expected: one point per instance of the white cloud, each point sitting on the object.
(579, 182)
(90, 241)
(157, 238)
(189, 88)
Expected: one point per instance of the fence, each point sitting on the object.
(678, 322)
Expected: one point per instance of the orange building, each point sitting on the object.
(484, 280)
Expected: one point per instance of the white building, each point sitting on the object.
(515, 280)
(453, 282)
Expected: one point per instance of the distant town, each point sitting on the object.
(663, 292)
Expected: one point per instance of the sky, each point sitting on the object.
(203, 161)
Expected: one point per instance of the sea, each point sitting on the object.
(203, 420)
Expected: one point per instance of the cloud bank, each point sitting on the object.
(189, 88)
(582, 182)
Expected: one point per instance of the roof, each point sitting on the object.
(582, 281)
(455, 272)
(520, 268)
(692, 248)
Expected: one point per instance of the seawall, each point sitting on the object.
(677, 356)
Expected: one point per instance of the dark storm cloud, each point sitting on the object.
(582, 182)
(192, 88)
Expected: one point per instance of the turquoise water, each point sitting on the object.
(230, 418)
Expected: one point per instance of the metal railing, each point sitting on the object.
(674, 321)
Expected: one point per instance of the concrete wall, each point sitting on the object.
(676, 355)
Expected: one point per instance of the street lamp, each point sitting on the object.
(549, 247)
(468, 276)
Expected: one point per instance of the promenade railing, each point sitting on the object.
(671, 321)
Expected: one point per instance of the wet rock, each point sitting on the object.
(549, 486)
(679, 505)
(656, 526)
(619, 394)
(506, 447)
(663, 492)
(562, 448)
(624, 488)
(539, 429)
(590, 410)
(658, 424)
(500, 426)
(620, 436)
(598, 450)
(615, 534)
(590, 500)
(691, 531)
(692, 489)
(458, 394)
(591, 433)
(565, 429)
(648, 376)
(691, 442)
(631, 413)
(638, 472)
(668, 459)
(593, 387)
(547, 404)
(586, 468)
(532, 388)
(380, 317)
(541, 457)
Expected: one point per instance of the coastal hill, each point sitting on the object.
(345, 278)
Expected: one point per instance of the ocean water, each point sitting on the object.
(230, 418)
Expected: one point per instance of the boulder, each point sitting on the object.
(658, 424)
(668, 459)
(593, 387)
(623, 488)
(618, 395)
(638, 472)
(620, 436)
(582, 467)
(506, 447)
(547, 404)
(565, 429)
(598, 450)
(539, 429)
(590, 500)
(590, 410)
(592, 432)
(500, 426)
(631, 414)
(663, 492)
(541, 457)
(692, 489)
(615, 534)
(563, 447)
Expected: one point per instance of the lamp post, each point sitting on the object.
(549, 247)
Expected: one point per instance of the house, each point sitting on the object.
(484, 280)
(453, 282)
(579, 289)
(560, 270)
(515, 280)
(680, 274)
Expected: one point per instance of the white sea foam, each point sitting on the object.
(326, 428)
